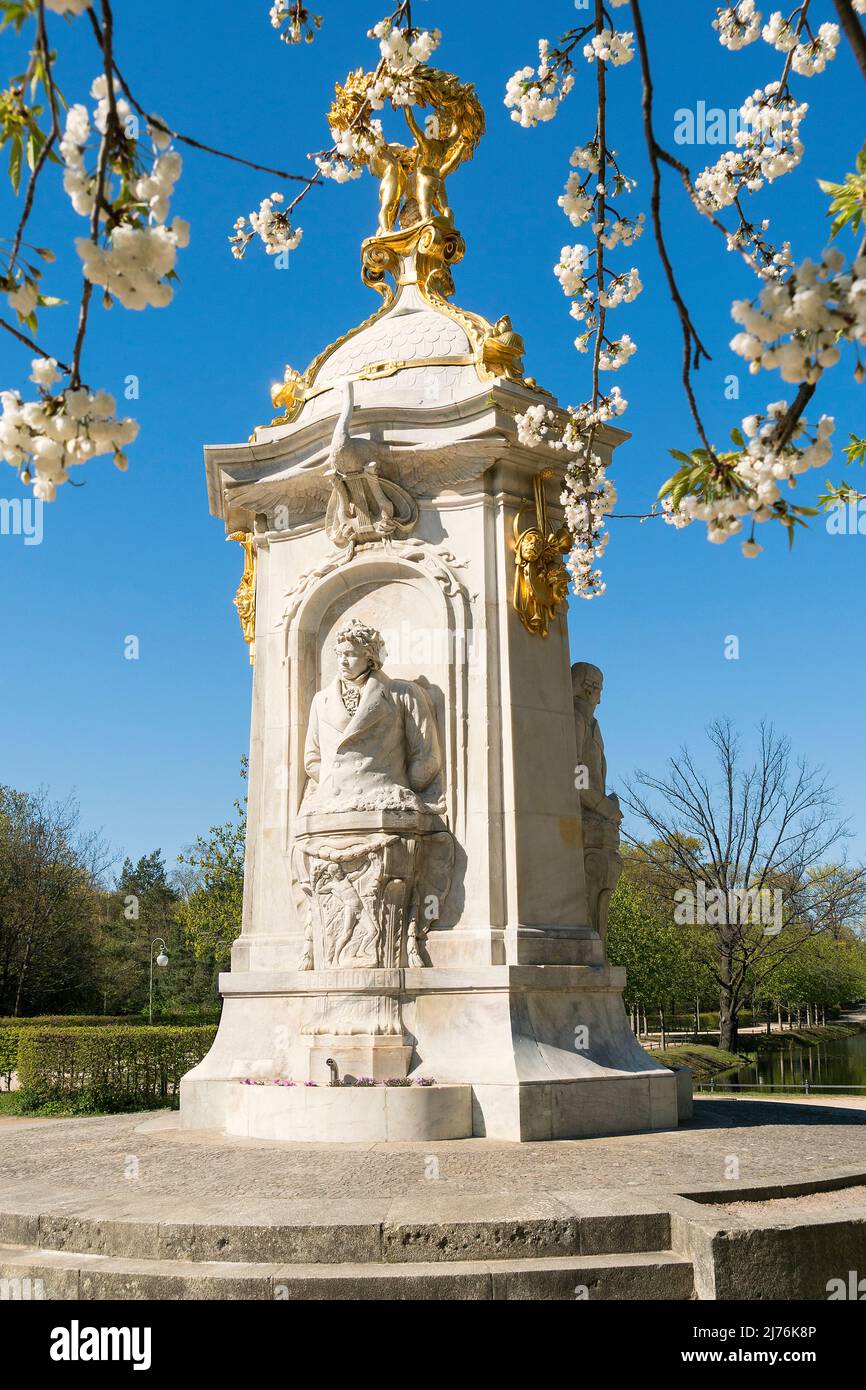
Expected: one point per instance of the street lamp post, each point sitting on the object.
(162, 961)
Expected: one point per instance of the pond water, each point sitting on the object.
(837, 1062)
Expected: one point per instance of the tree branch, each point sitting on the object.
(853, 31)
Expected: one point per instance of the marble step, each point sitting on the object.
(464, 1227)
(652, 1275)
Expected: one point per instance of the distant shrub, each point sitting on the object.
(182, 1018)
(107, 1068)
(68, 1021)
(8, 1054)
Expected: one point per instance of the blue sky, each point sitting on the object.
(151, 747)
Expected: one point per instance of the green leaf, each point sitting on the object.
(680, 456)
(855, 451)
(15, 154)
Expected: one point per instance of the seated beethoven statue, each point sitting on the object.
(372, 743)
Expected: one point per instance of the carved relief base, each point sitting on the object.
(362, 875)
(359, 874)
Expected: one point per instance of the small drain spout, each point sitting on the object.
(335, 1075)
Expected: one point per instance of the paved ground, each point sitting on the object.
(161, 1173)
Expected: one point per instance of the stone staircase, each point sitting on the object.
(607, 1257)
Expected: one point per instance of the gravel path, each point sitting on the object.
(159, 1171)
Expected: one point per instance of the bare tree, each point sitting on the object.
(758, 832)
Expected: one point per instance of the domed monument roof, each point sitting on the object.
(411, 332)
(418, 340)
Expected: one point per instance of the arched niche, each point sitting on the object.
(424, 613)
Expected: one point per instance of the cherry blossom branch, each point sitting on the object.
(190, 140)
(693, 348)
(28, 342)
(43, 50)
(601, 130)
(111, 129)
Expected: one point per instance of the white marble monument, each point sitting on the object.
(427, 874)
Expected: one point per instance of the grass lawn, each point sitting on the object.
(703, 1061)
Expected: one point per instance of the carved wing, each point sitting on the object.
(428, 468)
(304, 493)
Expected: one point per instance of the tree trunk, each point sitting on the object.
(728, 1010)
(662, 1023)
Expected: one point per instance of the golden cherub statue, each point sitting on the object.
(392, 165)
(435, 158)
(412, 178)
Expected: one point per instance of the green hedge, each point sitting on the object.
(188, 1018)
(8, 1054)
(107, 1068)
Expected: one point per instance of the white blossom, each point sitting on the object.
(798, 322)
(587, 498)
(271, 226)
(576, 202)
(46, 437)
(535, 96)
(623, 289)
(675, 516)
(23, 298)
(140, 249)
(587, 156)
(133, 265)
(570, 268)
(813, 57)
(620, 231)
(44, 371)
(295, 23)
(738, 25)
(610, 46)
(751, 487)
(778, 32)
(768, 143)
(616, 354)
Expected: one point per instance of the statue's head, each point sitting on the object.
(531, 545)
(586, 682)
(359, 649)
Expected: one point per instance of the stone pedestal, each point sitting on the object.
(457, 944)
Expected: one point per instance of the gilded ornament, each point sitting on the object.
(245, 598)
(540, 576)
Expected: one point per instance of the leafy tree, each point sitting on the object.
(49, 902)
(211, 910)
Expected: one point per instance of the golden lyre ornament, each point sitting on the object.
(245, 598)
(540, 576)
